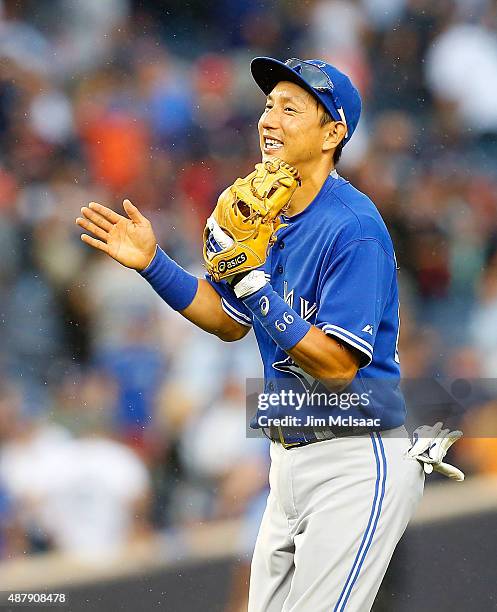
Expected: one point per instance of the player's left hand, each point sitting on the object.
(430, 445)
(243, 226)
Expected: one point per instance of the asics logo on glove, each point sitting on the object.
(230, 264)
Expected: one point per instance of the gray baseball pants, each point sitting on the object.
(334, 515)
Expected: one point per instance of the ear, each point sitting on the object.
(334, 134)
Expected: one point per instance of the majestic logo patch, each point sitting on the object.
(368, 329)
(229, 264)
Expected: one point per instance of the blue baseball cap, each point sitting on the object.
(332, 88)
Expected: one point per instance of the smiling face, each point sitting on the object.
(290, 127)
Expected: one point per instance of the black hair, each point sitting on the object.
(337, 153)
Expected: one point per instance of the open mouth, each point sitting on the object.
(272, 144)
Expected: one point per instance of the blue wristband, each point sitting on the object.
(176, 286)
(280, 321)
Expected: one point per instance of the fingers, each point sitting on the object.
(91, 227)
(444, 442)
(450, 471)
(97, 244)
(133, 213)
(98, 220)
(105, 212)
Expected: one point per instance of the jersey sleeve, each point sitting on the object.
(352, 295)
(231, 305)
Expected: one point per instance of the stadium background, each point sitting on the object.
(122, 439)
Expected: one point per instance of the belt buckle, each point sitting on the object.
(283, 442)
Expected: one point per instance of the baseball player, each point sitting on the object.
(297, 253)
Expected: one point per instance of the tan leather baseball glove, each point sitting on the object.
(243, 226)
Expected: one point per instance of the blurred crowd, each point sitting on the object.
(116, 416)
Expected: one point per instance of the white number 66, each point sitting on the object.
(281, 326)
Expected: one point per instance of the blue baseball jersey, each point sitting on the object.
(334, 264)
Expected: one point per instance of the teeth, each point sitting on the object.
(272, 144)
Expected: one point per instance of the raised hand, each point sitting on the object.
(129, 240)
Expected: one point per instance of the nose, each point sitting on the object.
(269, 119)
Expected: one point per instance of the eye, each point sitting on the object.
(289, 108)
(268, 107)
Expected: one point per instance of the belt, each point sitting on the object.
(290, 437)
